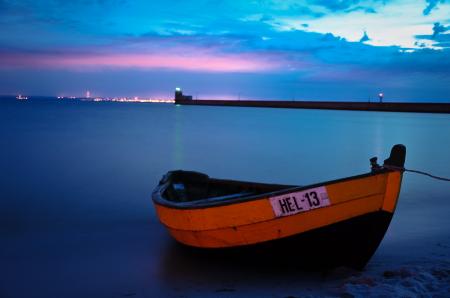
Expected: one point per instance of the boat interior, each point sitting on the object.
(187, 186)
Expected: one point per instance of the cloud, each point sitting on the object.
(361, 8)
(257, 48)
(365, 37)
(424, 61)
(438, 29)
(335, 5)
(64, 3)
(443, 41)
(438, 39)
(312, 41)
(187, 58)
(431, 4)
(368, 6)
(394, 24)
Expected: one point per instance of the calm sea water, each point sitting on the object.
(76, 217)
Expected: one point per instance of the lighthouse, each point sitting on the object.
(179, 95)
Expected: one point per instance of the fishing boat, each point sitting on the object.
(328, 224)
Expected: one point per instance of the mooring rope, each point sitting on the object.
(417, 172)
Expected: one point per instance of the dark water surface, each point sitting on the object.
(76, 219)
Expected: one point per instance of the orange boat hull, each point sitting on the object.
(253, 222)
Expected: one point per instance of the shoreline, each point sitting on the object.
(443, 108)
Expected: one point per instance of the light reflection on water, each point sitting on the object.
(77, 178)
(178, 131)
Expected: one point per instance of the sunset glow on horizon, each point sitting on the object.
(277, 49)
(202, 61)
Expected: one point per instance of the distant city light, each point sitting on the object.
(134, 99)
(178, 89)
(21, 97)
(117, 99)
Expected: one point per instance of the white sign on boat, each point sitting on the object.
(301, 201)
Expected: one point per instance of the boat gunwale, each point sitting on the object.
(209, 203)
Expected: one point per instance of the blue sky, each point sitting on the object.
(310, 49)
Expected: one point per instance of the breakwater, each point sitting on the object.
(327, 105)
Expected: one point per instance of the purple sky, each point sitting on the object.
(271, 49)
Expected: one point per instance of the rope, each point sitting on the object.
(417, 172)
